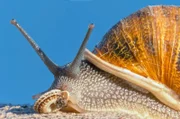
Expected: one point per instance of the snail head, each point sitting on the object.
(70, 70)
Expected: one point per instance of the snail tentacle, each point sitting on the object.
(54, 68)
(73, 69)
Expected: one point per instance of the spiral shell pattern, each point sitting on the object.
(147, 43)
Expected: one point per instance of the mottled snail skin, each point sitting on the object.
(96, 90)
(147, 43)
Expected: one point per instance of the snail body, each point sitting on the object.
(134, 69)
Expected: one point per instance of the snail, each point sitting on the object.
(134, 69)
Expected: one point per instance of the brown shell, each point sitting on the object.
(147, 43)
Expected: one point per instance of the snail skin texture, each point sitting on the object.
(135, 69)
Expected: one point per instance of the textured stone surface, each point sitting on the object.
(8, 111)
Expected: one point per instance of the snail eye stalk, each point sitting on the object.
(73, 69)
(47, 61)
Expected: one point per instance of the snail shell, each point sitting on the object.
(141, 50)
(47, 103)
(147, 43)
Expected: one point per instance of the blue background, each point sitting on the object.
(58, 26)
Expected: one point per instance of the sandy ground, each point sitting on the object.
(9, 111)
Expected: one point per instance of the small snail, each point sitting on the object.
(134, 69)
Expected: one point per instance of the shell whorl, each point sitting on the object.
(147, 43)
(46, 103)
